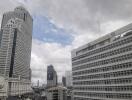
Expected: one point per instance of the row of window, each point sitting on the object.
(105, 75)
(1, 32)
(104, 69)
(104, 88)
(103, 62)
(90, 47)
(105, 95)
(108, 81)
(79, 98)
(110, 46)
(107, 54)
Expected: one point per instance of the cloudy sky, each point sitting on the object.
(62, 25)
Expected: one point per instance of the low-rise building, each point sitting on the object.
(3, 88)
(57, 93)
(11, 87)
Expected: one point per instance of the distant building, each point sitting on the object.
(15, 50)
(57, 93)
(38, 83)
(68, 78)
(102, 69)
(51, 76)
(64, 81)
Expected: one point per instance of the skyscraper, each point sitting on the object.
(16, 39)
(15, 51)
(51, 76)
(102, 69)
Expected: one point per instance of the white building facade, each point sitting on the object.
(102, 69)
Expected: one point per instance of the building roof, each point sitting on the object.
(113, 34)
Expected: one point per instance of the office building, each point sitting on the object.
(68, 78)
(64, 81)
(51, 77)
(16, 39)
(102, 69)
(15, 51)
(57, 93)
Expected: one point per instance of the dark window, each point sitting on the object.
(24, 17)
(13, 53)
(1, 32)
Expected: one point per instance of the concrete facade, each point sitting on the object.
(3, 88)
(56, 93)
(102, 69)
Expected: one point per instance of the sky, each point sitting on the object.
(60, 26)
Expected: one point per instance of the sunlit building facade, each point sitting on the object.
(102, 69)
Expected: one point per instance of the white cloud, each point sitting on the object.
(110, 26)
(82, 15)
(44, 54)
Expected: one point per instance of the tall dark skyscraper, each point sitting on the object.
(15, 43)
(51, 76)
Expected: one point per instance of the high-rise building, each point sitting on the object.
(51, 76)
(16, 39)
(102, 69)
(15, 50)
(68, 78)
(64, 81)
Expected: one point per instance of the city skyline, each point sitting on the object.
(56, 31)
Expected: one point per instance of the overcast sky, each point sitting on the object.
(61, 25)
